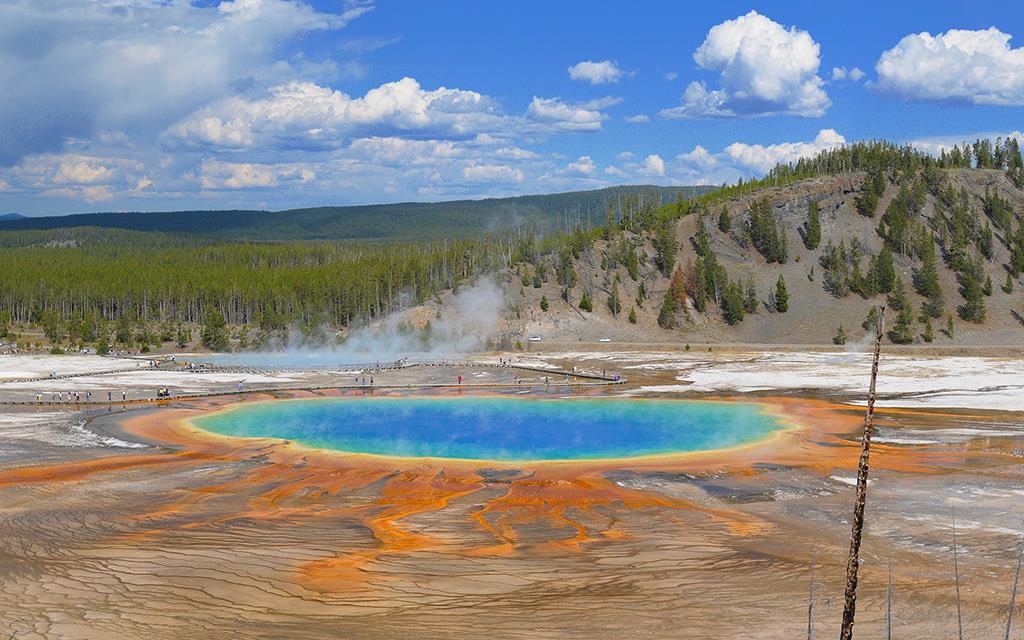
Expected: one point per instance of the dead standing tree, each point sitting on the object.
(1013, 591)
(853, 563)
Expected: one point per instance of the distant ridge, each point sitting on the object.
(405, 221)
(11, 216)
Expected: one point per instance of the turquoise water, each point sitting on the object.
(500, 428)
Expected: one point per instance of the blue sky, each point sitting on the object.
(157, 105)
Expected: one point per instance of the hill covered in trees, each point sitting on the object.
(410, 221)
(800, 256)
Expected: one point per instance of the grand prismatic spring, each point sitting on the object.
(500, 429)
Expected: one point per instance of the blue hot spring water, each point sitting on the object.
(496, 428)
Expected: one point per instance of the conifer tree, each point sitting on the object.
(732, 303)
(840, 336)
(882, 272)
(973, 308)
(667, 313)
(926, 281)
(781, 295)
(902, 331)
(585, 302)
(929, 332)
(702, 239)
(949, 326)
(632, 315)
(750, 297)
(614, 304)
(1008, 286)
(898, 298)
(544, 303)
(102, 346)
(724, 221)
(182, 337)
(215, 331)
(665, 246)
(812, 228)
(871, 321)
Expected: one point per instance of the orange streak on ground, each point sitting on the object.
(291, 483)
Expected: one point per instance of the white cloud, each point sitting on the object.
(699, 159)
(761, 158)
(585, 116)
(840, 73)
(72, 69)
(603, 72)
(764, 69)
(654, 165)
(701, 166)
(90, 194)
(401, 151)
(322, 116)
(671, 75)
(583, 166)
(638, 119)
(492, 173)
(936, 144)
(974, 67)
(216, 174)
(82, 171)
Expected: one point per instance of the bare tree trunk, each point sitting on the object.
(1013, 592)
(888, 606)
(810, 606)
(853, 562)
(956, 580)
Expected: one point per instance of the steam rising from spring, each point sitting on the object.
(462, 325)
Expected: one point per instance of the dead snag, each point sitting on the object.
(853, 562)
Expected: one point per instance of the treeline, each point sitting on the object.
(264, 284)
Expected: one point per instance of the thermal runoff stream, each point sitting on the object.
(503, 429)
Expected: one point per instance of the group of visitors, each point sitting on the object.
(75, 397)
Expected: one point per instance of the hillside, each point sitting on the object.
(410, 221)
(789, 258)
(953, 213)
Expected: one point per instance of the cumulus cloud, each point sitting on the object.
(761, 158)
(764, 69)
(603, 72)
(654, 165)
(492, 173)
(583, 166)
(70, 70)
(320, 116)
(699, 159)
(638, 119)
(937, 144)
(958, 66)
(840, 73)
(216, 174)
(584, 116)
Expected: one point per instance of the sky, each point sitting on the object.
(146, 105)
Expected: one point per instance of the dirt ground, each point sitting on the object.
(123, 521)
